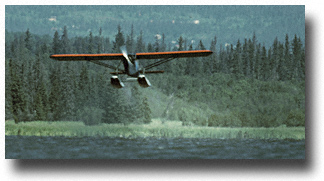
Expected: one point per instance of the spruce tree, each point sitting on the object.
(297, 58)
(156, 44)
(274, 59)
(119, 40)
(17, 93)
(263, 63)
(237, 60)
(90, 44)
(180, 43)
(140, 45)
(56, 43)
(287, 59)
(257, 62)
(55, 96)
(213, 57)
(65, 42)
(28, 40)
(282, 70)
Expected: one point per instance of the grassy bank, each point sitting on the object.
(170, 129)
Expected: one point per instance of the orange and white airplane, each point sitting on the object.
(131, 62)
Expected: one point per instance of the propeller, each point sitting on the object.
(123, 49)
(138, 67)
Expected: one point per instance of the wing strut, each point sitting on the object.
(158, 63)
(103, 64)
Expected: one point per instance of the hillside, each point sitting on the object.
(227, 23)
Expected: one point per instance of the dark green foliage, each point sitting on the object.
(295, 118)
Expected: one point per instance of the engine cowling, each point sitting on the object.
(143, 81)
(116, 82)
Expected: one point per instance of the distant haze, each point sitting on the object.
(194, 23)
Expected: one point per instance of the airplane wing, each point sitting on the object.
(87, 57)
(119, 56)
(173, 54)
(167, 56)
(163, 56)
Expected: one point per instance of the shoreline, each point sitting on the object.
(157, 129)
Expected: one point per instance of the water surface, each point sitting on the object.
(34, 147)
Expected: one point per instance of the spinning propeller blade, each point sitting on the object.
(124, 51)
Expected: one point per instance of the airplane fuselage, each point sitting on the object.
(131, 67)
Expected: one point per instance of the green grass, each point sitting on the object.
(170, 129)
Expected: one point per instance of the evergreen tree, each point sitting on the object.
(263, 63)
(274, 60)
(163, 45)
(245, 61)
(181, 42)
(250, 60)
(68, 93)
(65, 42)
(157, 44)
(297, 57)
(282, 70)
(41, 102)
(257, 62)
(41, 98)
(55, 97)
(213, 58)
(150, 47)
(91, 44)
(287, 59)
(99, 41)
(119, 40)
(302, 62)
(230, 58)
(140, 45)
(17, 93)
(268, 69)
(132, 41)
(28, 40)
(237, 60)
(201, 46)
(56, 43)
(223, 63)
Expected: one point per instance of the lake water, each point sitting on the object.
(34, 147)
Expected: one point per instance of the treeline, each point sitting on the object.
(38, 88)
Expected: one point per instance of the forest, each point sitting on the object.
(244, 84)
